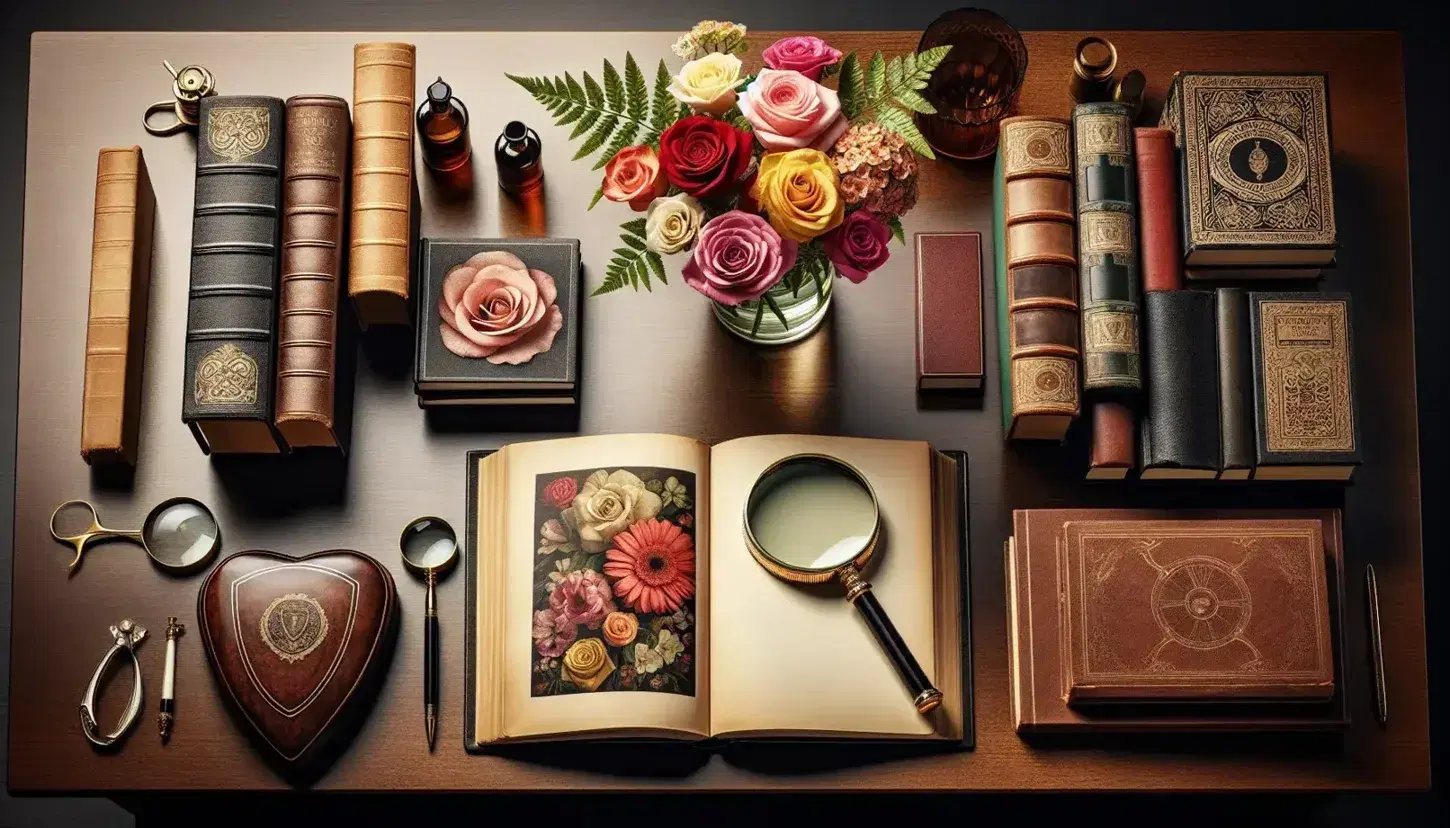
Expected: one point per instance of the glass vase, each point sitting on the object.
(804, 311)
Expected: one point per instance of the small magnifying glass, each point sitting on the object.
(181, 535)
(811, 518)
(430, 549)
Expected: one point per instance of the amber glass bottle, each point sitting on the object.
(443, 129)
(519, 156)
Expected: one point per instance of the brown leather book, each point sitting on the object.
(313, 183)
(1196, 610)
(380, 260)
(948, 311)
(1267, 584)
(1162, 256)
(1114, 441)
(120, 289)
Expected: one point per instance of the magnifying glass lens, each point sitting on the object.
(428, 543)
(181, 533)
(72, 519)
(811, 514)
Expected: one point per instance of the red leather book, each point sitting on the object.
(1162, 255)
(1114, 438)
(949, 311)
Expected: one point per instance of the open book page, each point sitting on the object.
(607, 588)
(793, 659)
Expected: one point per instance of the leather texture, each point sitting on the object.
(949, 310)
(313, 200)
(1304, 399)
(1107, 245)
(1113, 450)
(380, 257)
(1182, 407)
(1036, 247)
(1040, 575)
(298, 644)
(116, 324)
(1158, 208)
(1235, 382)
(1196, 610)
(231, 316)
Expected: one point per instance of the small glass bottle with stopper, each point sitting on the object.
(443, 127)
(519, 156)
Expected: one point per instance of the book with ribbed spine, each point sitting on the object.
(116, 323)
(381, 255)
(228, 390)
(310, 319)
(1235, 384)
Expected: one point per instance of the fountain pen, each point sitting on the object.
(430, 665)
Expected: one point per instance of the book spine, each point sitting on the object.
(1235, 384)
(1040, 295)
(1158, 196)
(313, 196)
(999, 278)
(380, 258)
(1182, 400)
(116, 324)
(231, 325)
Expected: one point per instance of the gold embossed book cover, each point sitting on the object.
(1196, 610)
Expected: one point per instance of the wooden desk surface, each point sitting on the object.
(654, 362)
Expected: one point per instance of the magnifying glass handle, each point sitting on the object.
(430, 664)
(924, 696)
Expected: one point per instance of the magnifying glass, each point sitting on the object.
(430, 549)
(180, 534)
(810, 518)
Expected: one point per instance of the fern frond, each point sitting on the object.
(613, 88)
(852, 87)
(632, 263)
(636, 91)
(902, 123)
(888, 92)
(876, 77)
(634, 227)
(663, 107)
(609, 113)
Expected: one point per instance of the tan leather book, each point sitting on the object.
(120, 290)
(313, 183)
(380, 259)
(1189, 572)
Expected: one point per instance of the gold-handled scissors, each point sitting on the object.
(180, 534)
(188, 87)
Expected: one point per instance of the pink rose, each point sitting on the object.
(582, 597)
(738, 258)
(496, 308)
(560, 492)
(807, 55)
(858, 246)
(633, 176)
(790, 111)
(552, 634)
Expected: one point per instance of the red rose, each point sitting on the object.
(858, 246)
(560, 492)
(703, 156)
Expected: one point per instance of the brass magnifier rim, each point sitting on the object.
(806, 575)
(418, 569)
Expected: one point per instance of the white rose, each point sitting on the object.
(672, 223)
(707, 85)
(608, 504)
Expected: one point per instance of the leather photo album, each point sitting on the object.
(949, 312)
(658, 624)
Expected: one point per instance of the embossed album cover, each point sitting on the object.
(1256, 150)
(1196, 610)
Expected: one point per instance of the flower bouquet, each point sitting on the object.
(772, 183)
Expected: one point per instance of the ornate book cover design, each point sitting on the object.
(1257, 187)
(1197, 610)
(380, 260)
(1107, 221)
(614, 582)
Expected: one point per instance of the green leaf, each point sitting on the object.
(612, 282)
(851, 89)
(592, 93)
(894, 77)
(623, 138)
(598, 194)
(608, 117)
(663, 107)
(759, 315)
(597, 137)
(656, 264)
(635, 226)
(876, 77)
(775, 309)
(913, 100)
(895, 224)
(636, 91)
(633, 241)
(613, 88)
(901, 122)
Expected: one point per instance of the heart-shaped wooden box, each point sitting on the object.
(298, 643)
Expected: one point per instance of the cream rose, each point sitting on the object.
(672, 223)
(707, 85)
(587, 664)
(607, 505)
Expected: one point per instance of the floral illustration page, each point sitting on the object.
(614, 581)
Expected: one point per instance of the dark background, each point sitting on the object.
(1427, 72)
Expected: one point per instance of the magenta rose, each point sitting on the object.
(738, 258)
(582, 597)
(790, 111)
(552, 634)
(858, 246)
(560, 492)
(494, 307)
(808, 55)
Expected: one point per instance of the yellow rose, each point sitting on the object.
(707, 85)
(587, 664)
(797, 190)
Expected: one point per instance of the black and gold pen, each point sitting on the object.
(431, 660)
(168, 681)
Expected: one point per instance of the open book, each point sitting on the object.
(611, 594)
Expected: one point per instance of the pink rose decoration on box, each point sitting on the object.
(859, 246)
(808, 55)
(790, 111)
(560, 492)
(582, 597)
(633, 176)
(494, 307)
(738, 258)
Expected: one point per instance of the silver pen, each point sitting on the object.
(168, 682)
